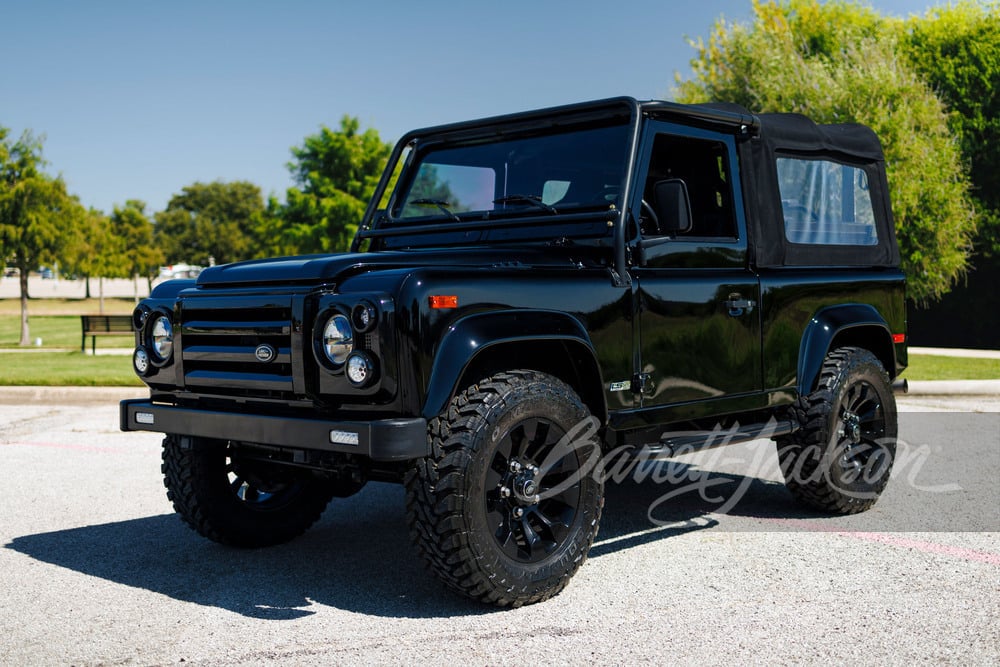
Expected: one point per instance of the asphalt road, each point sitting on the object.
(96, 569)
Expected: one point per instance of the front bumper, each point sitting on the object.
(380, 440)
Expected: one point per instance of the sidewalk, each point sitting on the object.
(954, 388)
(985, 388)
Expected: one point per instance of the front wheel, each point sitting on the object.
(504, 510)
(840, 458)
(236, 500)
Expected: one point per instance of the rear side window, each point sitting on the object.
(825, 203)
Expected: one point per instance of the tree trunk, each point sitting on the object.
(87, 294)
(25, 333)
(135, 286)
(100, 288)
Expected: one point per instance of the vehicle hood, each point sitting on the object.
(318, 269)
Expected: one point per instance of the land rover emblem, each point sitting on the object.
(264, 353)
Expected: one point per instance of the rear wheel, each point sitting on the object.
(237, 501)
(841, 457)
(504, 510)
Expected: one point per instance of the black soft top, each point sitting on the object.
(794, 135)
(761, 140)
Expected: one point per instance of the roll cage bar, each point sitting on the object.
(572, 114)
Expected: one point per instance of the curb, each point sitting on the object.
(99, 395)
(73, 395)
(953, 388)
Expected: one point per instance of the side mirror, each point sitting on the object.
(673, 206)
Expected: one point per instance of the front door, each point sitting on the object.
(698, 299)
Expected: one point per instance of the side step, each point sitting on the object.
(674, 443)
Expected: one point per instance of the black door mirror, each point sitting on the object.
(673, 206)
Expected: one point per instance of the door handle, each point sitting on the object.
(737, 305)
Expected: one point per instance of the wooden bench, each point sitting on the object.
(103, 325)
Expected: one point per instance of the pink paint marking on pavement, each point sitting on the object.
(895, 541)
(59, 445)
(927, 547)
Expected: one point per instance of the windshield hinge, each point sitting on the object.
(616, 278)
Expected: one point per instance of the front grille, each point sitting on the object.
(221, 343)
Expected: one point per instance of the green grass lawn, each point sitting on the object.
(933, 367)
(36, 307)
(66, 369)
(56, 331)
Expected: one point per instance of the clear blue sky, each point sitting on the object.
(137, 99)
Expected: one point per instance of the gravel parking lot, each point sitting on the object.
(96, 569)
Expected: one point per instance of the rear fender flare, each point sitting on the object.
(825, 327)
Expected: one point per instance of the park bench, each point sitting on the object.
(103, 325)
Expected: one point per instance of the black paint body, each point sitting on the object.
(654, 333)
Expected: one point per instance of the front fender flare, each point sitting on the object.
(469, 336)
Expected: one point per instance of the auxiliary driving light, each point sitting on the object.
(139, 316)
(140, 361)
(364, 317)
(360, 369)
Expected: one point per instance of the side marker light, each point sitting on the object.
(443, 301)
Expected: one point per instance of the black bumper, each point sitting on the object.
(380, 440)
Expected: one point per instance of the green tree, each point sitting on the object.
(209, 222)
(335, 172)
(37, 215)
(96, 252)
(140, 256)
(273, 236)
(956, 48)
(839, 62)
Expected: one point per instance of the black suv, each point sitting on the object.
(542, 291)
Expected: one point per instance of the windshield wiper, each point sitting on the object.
(534, 200)
(443, 205)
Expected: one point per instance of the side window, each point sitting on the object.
(703, 166)
(825, 203)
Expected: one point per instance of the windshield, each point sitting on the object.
(539, 175)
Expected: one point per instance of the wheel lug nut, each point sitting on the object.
(518, 512)
(533, 469)
(515, 466)
(504, 492)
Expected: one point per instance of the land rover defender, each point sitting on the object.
(528, 295)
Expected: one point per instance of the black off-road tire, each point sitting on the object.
(841, 457)
(238, 503)
(470, 507)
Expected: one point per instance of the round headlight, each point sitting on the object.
(338, 339)
(162, 337)
(360, 369)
